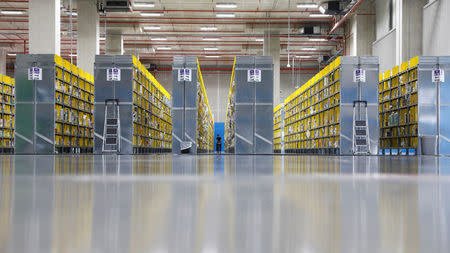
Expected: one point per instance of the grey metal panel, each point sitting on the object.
(124, 87)
(346, 128)
(245, 91)
(99, 116)
(45, 88)
(427, 94)
(244, 129)
(444, 108)
(103, 89)
(352, 91)
(45, 133)
(184, 104)
(263, 129)
(24, 87)
(24, 128)
(126, 129)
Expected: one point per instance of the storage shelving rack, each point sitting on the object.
(414, 110)
(193, 130)
(249, 118)
(319, 115)
(7, 114)
(278, 128)
(55, 112)
(205, 121)
(143, 104)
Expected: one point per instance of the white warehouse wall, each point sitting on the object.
(436, 31)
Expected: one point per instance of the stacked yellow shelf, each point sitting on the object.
(229, 140)
(312, 113)
(152, 116)
(7, 113)
(205, 121)
(398, 108)
(74, 108)
(277, 128)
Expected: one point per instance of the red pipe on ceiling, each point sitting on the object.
(342, 20)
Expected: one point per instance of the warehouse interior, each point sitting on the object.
(224, 126)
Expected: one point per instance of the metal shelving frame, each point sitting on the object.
(7, 114)
(55, 114)
(249, 123)
(413, 109)
(192, 116)
(144, 106)
(319, 115)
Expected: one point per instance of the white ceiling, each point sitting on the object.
(181, 23)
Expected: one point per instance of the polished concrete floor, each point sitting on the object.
(212, 204)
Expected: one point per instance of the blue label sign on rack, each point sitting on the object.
(359, 75)
(184, 75)
(35, 73)
(254, 75)
(438, 76)
(113, 74)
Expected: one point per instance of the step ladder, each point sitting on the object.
(111, 130)
(361, 140)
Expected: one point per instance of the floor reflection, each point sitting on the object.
(223, 204)
(224, 165)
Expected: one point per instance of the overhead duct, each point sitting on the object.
(115, 6)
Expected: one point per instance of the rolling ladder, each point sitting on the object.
(361, 140)
(111, 130)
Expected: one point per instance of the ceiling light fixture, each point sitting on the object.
(303, 56)
(160, 39)
(143, 4)
(212, 39)
(210, 48)
(259, 39)
(12, 12)
(212, 56)
(102, 38)
(73, 14)
(12, 54)
(151, 27)
(72, 55)
(164, 48)
(208, 28)
(307, 5)
(225, 15)
(312, 15)
(226, 5)
(151, 14)
(317, 39)
(309, 49)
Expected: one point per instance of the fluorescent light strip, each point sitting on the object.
(307, 5)
(210, 48)
(12, 12)
(143, 5)
(225, 15)
(226, 5)
(212, 39)
(160, 39)
(258, 39)
(319, 15)
(317, 39)
(208, 28)
(12, 54)
(309, 49)
(151, 27)
(303, 56)
(151, 14)
(164, 48)
(102, 38)
(72, 55)
(212, 56)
